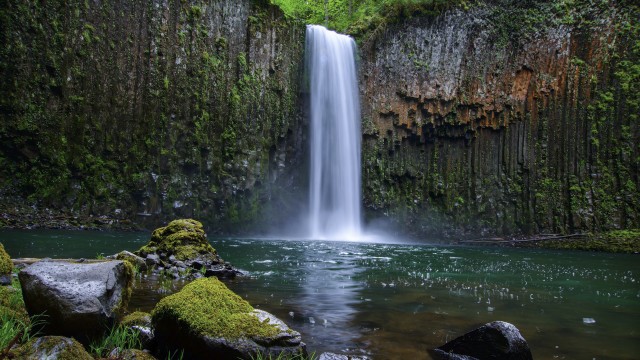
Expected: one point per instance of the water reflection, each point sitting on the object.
(330, 291)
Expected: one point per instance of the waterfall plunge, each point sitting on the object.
(334, 192)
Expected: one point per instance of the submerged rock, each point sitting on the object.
(79, 300)
(332, 356)
(209, 321)
(6, 266)
(182, 247)
(51, 348)
(496, 340)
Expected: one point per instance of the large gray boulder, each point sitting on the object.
(496, 340)
(78, 300)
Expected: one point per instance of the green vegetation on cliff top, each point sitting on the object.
(358, 17)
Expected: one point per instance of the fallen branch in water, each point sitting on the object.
(498, 240)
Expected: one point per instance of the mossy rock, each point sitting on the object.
(133, 354)
(52, 347)
(208, 320)
(6, 266)
(137, 318)
(132, 258)
(184, 238)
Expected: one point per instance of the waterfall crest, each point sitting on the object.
(334, 189)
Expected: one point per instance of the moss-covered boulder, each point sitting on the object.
(184, 238)
(134, 259)
(51, 348)
(209, 321)
(181, 249)
(6, 266)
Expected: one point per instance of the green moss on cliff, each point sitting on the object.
(207, 307)
(97, 117)
(561, 159)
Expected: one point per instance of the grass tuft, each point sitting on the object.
(120, 338)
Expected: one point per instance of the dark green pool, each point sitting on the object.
(394, 301)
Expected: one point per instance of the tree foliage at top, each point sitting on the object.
(358, 17)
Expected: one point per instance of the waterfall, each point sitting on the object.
(334, 188)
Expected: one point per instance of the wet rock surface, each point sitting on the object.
(79, 300)
(497, 340)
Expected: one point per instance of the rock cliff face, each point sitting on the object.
(152, 109)
(511, 117)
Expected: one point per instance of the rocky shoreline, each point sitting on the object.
(16, 214)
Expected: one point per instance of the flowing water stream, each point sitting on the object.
(394, 301)
(334, 188)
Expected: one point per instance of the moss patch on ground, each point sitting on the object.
(207, 307)
(5, 262)
(12, 304)
(183, 238)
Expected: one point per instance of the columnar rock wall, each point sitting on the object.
(504, 119)
(151, 110)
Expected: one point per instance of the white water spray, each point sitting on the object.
(334, 192)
